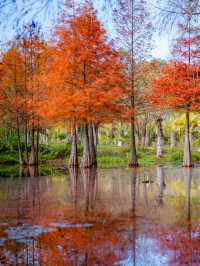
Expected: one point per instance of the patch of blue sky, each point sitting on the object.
(21, 12)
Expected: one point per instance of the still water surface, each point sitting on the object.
(123, 217)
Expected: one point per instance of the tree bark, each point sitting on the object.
(133, 161)
(147, 139)
(187, 159)
(86, 160)
(73, 160)
(172, 138)
(19, 144)
(92, 146)
(37, 143)
(32, 159)
(96, 134)
(26, 141)
(160, 137)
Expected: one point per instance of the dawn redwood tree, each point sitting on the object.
(20, 90)
(11, 93)
(186, 50)
(151, 70)
(32, 47)
(178, 89)
(84, 79)
(134, 29)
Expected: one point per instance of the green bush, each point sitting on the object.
(56, 151)
(107, 150)
(196, 156)
(108, 161)
(175, 156)
(8, 158)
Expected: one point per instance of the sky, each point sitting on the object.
(8, 28)
(162, 44)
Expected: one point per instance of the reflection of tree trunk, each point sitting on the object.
(172, 138)
(161, 178)
(90, 179)
(187, 173)
(74, 184)
(187, 160)
(133, 197)
(73, 161)
(160, 137)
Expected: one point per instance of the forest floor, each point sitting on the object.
(53, 158)
(108, 156)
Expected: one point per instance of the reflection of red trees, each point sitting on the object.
(182, 243)
(104, 243)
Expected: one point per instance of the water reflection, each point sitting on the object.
(162, 184)
(90, 188)
(146, 216)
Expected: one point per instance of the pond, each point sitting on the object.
(149, 216)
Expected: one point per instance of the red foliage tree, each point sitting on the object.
(178, 85)
(178, 88)
(84, 79)
(135, 31)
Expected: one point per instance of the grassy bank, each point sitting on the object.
(108, 156)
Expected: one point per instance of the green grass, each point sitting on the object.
(8, 158)
(107, 156)
(119, 156)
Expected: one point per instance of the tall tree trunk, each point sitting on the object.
(96, 134)
(133, 161)
(32, 160)
(92, 146)
(19, 144)
(187, 159)
(147, 139)
(144, 135)
(144, 131)
(86, 160)
(37, 144)
(160, 137)
(73, 160)
(26, 141)
(172, 138)
(191, 138)
(33, 170)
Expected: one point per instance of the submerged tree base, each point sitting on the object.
(133, 165)
(94, 165)
(188, 166)
(73, 166)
